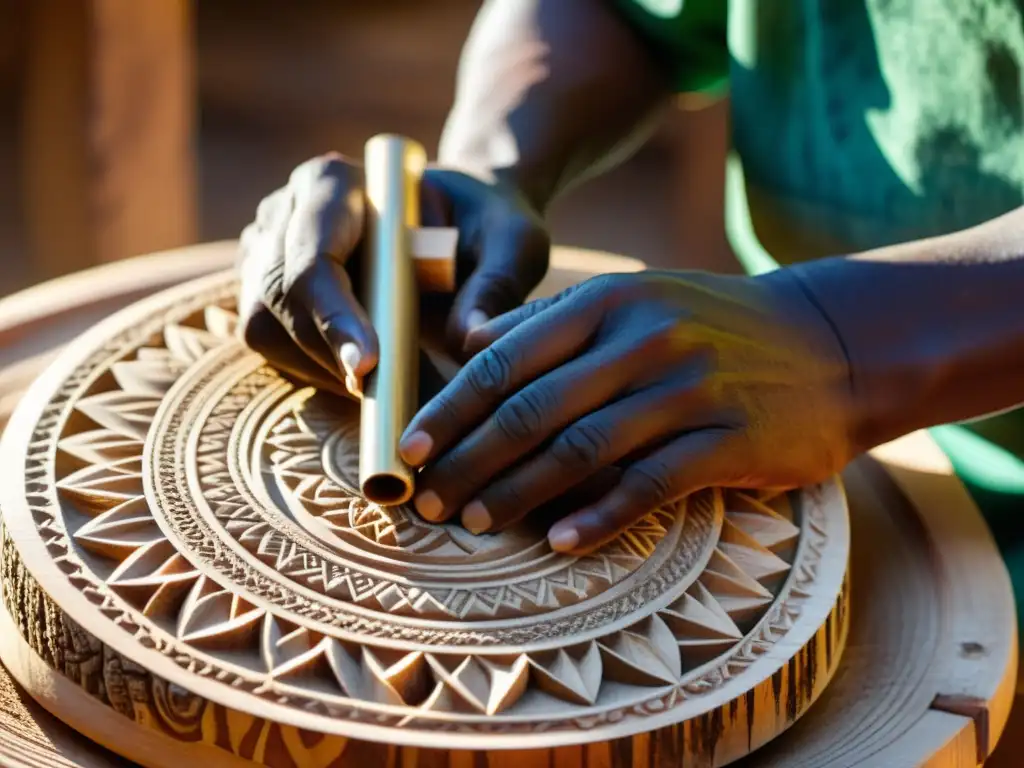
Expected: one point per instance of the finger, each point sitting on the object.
(583, 494)
(488, 333)
(512, 261)
(263, 334)
(523, 422)
(691, 463)
(325, 228)
(593, 443)
(484, 335)
(325, 300)
(547, 340)
(262, 289)
(328, 210)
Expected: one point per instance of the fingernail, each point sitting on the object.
(429, 505)
(475, 319)
(354, 386)
(415, 448)
(563, 539)
(350, 357)
(475, 518)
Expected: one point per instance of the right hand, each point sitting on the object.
(297, 304)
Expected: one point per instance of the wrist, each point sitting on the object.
(814, 329)
(895, 369)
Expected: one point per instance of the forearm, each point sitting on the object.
(548, 93)
(934, 329)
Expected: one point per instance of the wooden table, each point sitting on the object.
(929, 672)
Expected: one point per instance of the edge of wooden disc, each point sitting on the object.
(935, 505)
(788, 697)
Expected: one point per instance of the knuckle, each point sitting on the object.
(329, 167)
(296, 276)
(662, 338)
(537, 306)
(268, 207)
(648, 483)
(271, 283)
(581, 446)
(489, 375)
(506, 500)
(602, 284)
(523, 416)
(611, 290)
(692, 396)
(442, 412)
(249, 234)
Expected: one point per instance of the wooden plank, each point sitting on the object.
(109, 116)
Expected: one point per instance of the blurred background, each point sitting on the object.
(128, 127)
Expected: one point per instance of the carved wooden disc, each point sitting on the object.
(183, 539)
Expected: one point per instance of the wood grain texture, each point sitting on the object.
(710, 625)
(109, 117)
(878, 709)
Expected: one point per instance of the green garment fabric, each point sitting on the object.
(860, 123)
(688, 37)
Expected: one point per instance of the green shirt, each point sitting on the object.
(859, 123)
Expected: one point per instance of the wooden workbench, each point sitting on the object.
(929, 671)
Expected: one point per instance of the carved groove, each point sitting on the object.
(226, 535)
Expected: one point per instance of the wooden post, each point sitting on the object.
(109, 168)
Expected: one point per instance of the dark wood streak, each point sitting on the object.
(694, 744)
(622, 753)
(791, 687)
(777, 689)
(809, 676)
(828, 640)
(751, 700)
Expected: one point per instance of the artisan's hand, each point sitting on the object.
(297, 301)
(503, 248)
(684, 380)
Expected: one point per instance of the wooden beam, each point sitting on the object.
(109, 119)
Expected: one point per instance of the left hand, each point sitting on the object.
(299, 263)
(682, 380)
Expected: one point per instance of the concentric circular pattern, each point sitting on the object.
(188, 521)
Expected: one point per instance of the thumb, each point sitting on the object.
(512, 261)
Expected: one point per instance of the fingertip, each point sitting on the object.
(429, 506)
(476, 319)
(356, 362)
(354, 385)
(476, 518)
(563, 537)
(415, 448)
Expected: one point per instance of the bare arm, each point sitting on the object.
(548, 92)
(933, 329)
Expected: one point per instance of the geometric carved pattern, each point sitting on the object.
(207, 506)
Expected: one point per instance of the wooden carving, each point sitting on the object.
(189, 572)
